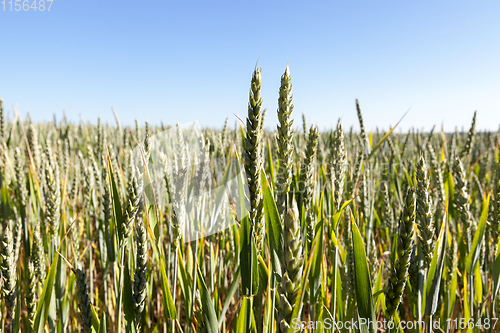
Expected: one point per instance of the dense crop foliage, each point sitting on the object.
(341, 226)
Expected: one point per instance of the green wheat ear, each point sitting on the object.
(38, 253)
(387, 207)
(307, 182)
(365, 145)
(17, 225)
(131, 209)
(462, 201)
(437, 169)
(53, 201)
(83, 301)
(31, 293)
(284, 142)
(424, 212)
(451, 259)
(397, 280)
(470, 138)
(20, 177)
(140, 275)
(2, 122)
(8, 268)
(348, 267)
(177, 187)
(292, 267)
(337, 164)
(304, 126)
(253, 157)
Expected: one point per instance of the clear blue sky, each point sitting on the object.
(180, 61)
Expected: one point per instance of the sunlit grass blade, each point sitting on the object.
(374, 149)
(169, 310)
(42, 311)
(96, 323)
(362, 281)
(230, 294)
(496, 274)
(209, 315)
(473, 255)
(274, 230)
(248, 260)
(435, 272)
(102, 325)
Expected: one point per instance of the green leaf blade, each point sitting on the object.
(362, 281)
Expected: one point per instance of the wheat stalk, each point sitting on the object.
(397, 280)
(8, 268)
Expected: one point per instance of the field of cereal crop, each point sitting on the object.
(168, 228)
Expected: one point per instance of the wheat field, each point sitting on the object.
(322, 228)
